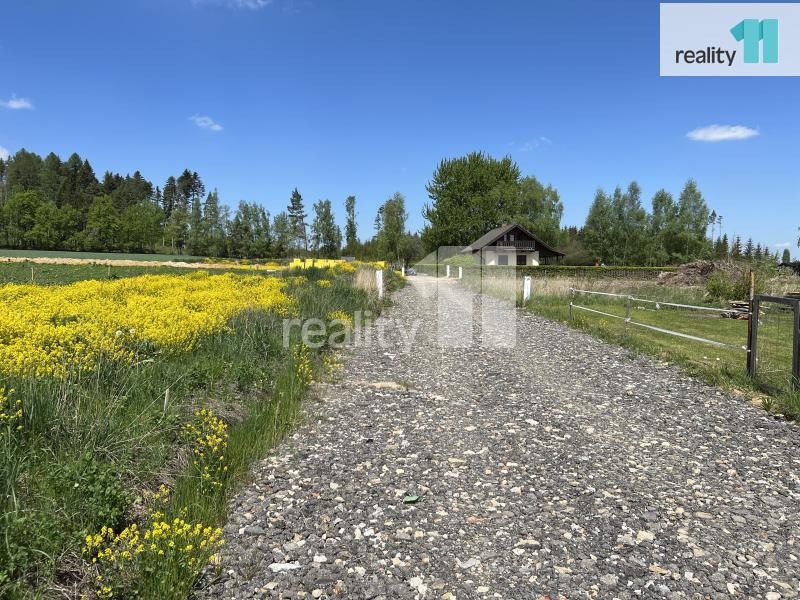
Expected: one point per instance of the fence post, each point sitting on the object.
(796, 352)
(460, 272)
(627, 312)
(379, 282)
(526, 288)
(571, 298)
(403, 270)
(447, 270)
(752, 337)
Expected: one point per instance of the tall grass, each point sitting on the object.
(94, 445)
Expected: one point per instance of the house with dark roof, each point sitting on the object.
(512, 244)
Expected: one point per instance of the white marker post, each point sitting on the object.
(447, 270)
(403, 270)
(379, 282)
(460, 272)
(526, 288)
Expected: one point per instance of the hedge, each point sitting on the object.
(587, 272)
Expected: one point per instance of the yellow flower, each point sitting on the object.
(50, 330)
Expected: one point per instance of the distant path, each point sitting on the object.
(562, 468)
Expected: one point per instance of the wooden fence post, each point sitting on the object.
(796, 349)
(752, 337)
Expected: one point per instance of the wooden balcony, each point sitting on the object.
(529, 245)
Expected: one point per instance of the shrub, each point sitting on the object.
(720, 286)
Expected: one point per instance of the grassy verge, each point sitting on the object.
(122, 473)
(721, 366)
(56, 274)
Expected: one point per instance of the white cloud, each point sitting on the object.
(721, 133)
(783, 245)
(235, 4)
(535, 143)
(4, 154)
(249, 4)
(15, 103)
(206, 123)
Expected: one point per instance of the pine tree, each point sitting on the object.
(297, 219)
(87, 186)
(723, 251)
(325, 234)
(749, 249)
(712, 220)
(787, 256)
(350, 231)
(50, 178)
(3, 171)
(736, 248)
(197, 237)
(170, 196)
(213, 226)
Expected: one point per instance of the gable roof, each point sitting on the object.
(496, 233)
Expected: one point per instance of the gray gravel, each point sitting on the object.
(563, 467)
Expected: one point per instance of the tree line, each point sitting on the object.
(47, 203)
(50, 204)
(473, 194)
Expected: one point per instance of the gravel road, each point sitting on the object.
(560, 467)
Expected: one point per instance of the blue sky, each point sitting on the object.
(362, 97)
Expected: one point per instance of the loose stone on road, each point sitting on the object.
(562, 467)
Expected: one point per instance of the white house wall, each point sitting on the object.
(490, 257)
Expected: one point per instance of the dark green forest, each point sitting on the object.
(51, 204)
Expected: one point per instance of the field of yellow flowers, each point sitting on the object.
(131, 408)
(50, 330)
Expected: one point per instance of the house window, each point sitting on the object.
(511, 237)
(521, 260)
(502, 259)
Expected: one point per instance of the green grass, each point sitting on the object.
(47, 274)
(702, 357)
(94, 443)
(96, 255)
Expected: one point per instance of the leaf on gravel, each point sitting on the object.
(410, 499)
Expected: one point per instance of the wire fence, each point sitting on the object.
(774, 339)
(632, 302)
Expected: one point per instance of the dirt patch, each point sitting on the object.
(696, 273)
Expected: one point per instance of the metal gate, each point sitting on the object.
(774, 341)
